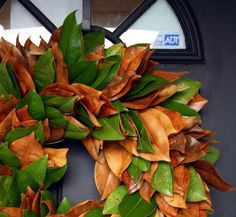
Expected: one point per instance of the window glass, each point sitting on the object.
(158, 26)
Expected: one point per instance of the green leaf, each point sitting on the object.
(6, 81)
(134, 172)
(125, 119)
(83, 117)
(142, 164)
(71, 41)
(3, 214)
(84, 72)
(44, 71)
(196, 189)
(104, 69)
(114, 199)
(162, 180)
(112, 72)
(74, 132)
(8, 157)
(35, 105)
(212, 155)
(37, 169)
(145, 85)
(3, 92)
(93, 40)
(28, 213)
(119, 106)
(190, 87)
(110, 129)
(13, 80)
(55, 117)
(134, 205)
(54, 175)
(64, 206)
(64, 104)
(45, 195)
(21, 132)
(24, 180)
(181, 108)
(115, 49)
(144, 143)
(94, 213)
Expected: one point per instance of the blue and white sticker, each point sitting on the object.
(168, 41)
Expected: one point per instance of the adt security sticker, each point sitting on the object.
(168, 41)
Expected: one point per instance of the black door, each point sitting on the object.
(217, 72)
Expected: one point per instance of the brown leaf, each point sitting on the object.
(117, 157)
(170, 76)
(165, 207)
(56, 157)
(158, 137)
(50, 206)
(6, 125)
(146, 191)
(198, 102)
(55, 37)
(131, 185)
(145, 62)
(177, 142)
(211, 177)
(27, 149)
(179, 122)
(6, 106)
(5, 170)
(93, 146)
(148, 175)
(105, 179)
(75, 122)
(11, 211)
(197, 132)
(61, 68)
(192, 211)
(56, 134)
(176, 158)
(95, 101)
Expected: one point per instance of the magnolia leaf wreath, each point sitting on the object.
(141, 125)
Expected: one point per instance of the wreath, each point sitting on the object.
(141, 125)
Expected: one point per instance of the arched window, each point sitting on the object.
(168, 25)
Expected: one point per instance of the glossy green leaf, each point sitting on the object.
(55, 117)
(84, 72)
(142, 164)
(112, 202)
(71, 41)
(21, 132)
(3, 92)
(13, 80)
(83, 117)
(119, 106)
(196, 190)
(94, 213)
(14, 192)
(45, 195)
(35, 105)
(64, 206)
(8, 157)
(145, 85)
(144, 143)
(37, 169)
(190, 87)
(44, 73)
(92, 40)
(110, 129)
(103, 71)
(162, 180)
(54, 175)
(212, 155)
(112, 72)
(24, 180)
(134, 172)
(3, 214)
(74, 132)
(181, 108)
(64, 104)
(115, 49)
(28, 213)
(6, 81)
(126, 123)
(134, 205)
